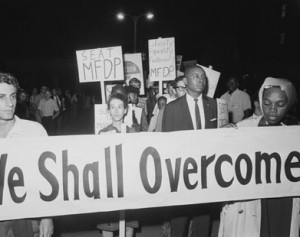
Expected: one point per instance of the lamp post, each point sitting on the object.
(121, 16)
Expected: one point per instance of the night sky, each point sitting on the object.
(39, 38)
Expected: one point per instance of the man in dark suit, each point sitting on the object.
(190, 112)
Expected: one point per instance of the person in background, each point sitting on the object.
(171, 92)
(132, 94)
(22, 107)
(136, 83)
(170, 96)
(49, 111)
(255, 105)
(152, 94)
(11, 126)
(59, 118)
(133, 98)
(67, 107)
(37, 100)
(118, 89)
(117, 106)
(192, 111)
(74, 102)
(239, 104)
(32, 105)
(269, 216)
(180, 86)
(156, 120)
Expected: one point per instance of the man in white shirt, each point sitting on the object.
(10, 127)
(49, 111)
(192, 111)
(239, 104)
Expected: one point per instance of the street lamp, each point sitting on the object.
(121, 16)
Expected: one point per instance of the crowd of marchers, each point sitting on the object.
(52, 107)
(184, 105)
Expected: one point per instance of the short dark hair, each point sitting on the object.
(134, 80)
(119, 97)
(188, 69)
(171, 83)
(178, 79)
(162, 98)
(235, 78)
(131, 89)
(9, 79)
(118, 89)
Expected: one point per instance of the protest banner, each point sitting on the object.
(223, 117)
(133, 67)
(101, 64)
(64, 175)
(162, 65)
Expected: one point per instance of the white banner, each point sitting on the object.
(95, 173)
(101, 64)
(162, 66)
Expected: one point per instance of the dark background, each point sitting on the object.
(257, 38)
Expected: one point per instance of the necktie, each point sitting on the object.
(57, 100)
(197, 114)
(134, 119)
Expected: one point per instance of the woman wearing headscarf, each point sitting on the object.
(271, 216)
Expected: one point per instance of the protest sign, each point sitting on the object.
(178, 65)
(223, 117)
(213, 79)
(102, 117)
(189, 63)
(162, 65)
(101, 64)
(64, 175)
(133, 67)
(137, 113)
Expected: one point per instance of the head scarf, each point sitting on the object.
(284, 84)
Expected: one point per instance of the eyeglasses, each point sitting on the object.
(180, 88)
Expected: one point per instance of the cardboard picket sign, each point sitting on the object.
(213, 79)
(102, 117)
(101, 64)
(162, 59)
(133, 67)
(223, 117)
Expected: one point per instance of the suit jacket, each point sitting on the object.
(177, 115)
